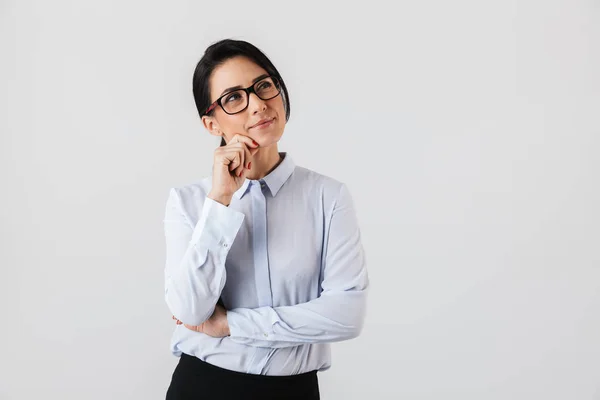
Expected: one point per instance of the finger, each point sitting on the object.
(237, 156)
(250, 147)
(247, 140)
(238, 164)
(244, 154)
(242, 173)
(248, 157)
(240, 168)
(230, 157)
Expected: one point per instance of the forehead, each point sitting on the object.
(233, 72)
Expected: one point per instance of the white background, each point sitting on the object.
(467, 131)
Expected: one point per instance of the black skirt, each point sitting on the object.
(196, 379)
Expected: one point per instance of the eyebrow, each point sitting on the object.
(231, 89)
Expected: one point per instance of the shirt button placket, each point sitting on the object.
(259, 236)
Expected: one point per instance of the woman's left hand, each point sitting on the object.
(215, 326)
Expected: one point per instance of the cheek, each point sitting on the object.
(277, 105)
(233, 124)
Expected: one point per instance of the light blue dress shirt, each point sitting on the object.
(286, 258)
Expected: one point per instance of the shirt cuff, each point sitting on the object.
(218, 225)
(248, 324)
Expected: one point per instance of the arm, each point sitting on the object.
(195, 257)
(336, 315)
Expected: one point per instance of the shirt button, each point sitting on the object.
(266, 334)
(225, 245)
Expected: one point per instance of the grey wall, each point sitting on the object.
(468, 132)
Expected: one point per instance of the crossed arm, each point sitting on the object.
(195, 276)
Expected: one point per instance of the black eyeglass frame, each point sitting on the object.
(249, 90)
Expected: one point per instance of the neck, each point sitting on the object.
(264, 161)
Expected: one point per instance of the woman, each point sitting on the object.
(264, 266)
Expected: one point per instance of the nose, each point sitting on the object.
(256, 104)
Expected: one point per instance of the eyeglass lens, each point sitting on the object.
(238, 100)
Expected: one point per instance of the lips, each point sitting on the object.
(262, 122)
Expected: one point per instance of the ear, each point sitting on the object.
(211, 125)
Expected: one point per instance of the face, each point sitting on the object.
(241, 71)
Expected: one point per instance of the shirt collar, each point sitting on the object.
(274, 180)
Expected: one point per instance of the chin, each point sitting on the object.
(267, 139)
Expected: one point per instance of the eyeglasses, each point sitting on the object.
(237, 101)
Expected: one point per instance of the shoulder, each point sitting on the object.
(307, 177)
(324, 186)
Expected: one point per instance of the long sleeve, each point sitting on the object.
(195, 257)
(337, 314)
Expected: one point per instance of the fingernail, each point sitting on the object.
(249, 164)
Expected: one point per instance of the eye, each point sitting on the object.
(235, 96)
(264, 85)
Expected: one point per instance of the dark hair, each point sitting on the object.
(218, 53)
